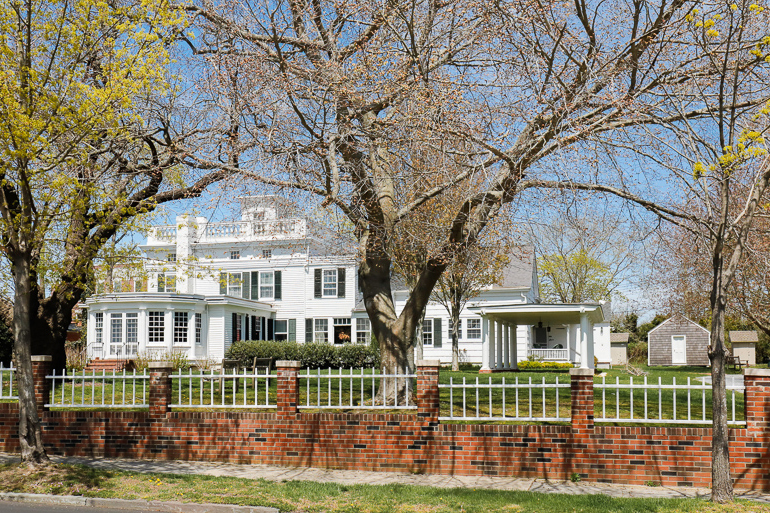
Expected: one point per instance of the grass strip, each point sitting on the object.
(306, 496)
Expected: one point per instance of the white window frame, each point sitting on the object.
(320, 330)
(198, 329)
(132, 333)
(279, 330)
(117, 337)
(156, 324)
(263, 294)
(235, 254)
(267, 253)
(98, 328)
(472, 329)
(459, 329)
(167, 278)
(329, 287)
(181, 332)
(363, 330)
(427, 333)
(234, 284)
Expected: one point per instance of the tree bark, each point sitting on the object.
(30, 433)
(721, 481)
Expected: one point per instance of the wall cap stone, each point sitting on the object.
(288, 363)
(428, 363)
(749, 371)
(159, 365)
(41, 358)
(581, 372)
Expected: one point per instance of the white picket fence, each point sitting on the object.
(358, 390)
(247, 389)
(659, 403)
(7, 384)
(99, 390)
(512, 401)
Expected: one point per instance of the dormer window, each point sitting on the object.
(267, 253)
(235, 255)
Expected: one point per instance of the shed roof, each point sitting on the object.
(618, 337)
(743, 336)
(680, 318)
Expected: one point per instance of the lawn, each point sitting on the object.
(306, 496)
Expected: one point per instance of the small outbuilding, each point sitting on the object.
(619, 348)
(678, 341)
(745, 345)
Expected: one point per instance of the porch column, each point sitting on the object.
(514, 347)
(586, 362)
(492, 344)
(484, 344)
(506, 345)
(499, 340)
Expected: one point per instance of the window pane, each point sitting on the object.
(266, 284)
(427, 332)
(198, 328)
(99, 326)
(180, 327)
(363, 330)
(321, 330)
(156, 327)
(330, 282)
(234, 284)
(474, 328)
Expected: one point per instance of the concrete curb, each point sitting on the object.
(133, 505)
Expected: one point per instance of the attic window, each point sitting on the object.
(235, 255)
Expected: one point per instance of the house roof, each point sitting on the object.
(519, 271)
(618, 337)
(679, 318)
(743, 336)
(535, 313)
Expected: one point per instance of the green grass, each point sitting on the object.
(310, 497)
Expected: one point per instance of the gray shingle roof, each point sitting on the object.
(618, 337)
(743, 336)
(518, 273)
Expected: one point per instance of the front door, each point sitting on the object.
(679, 350)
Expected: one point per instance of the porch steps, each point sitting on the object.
(99, 365)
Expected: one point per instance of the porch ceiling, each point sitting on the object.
(548, 314)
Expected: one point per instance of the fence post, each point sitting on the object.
(160, 388)
(582, 399)
(288, 387)
(41, 367)
(427, 390)
(757, 398)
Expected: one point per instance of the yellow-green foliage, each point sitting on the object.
(529, 365)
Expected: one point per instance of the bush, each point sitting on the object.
(531, 365)
(313, 355)
(637, 353)
(177, 359)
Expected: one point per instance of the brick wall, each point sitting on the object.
(673, 456)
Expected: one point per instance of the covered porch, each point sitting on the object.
(501, 350)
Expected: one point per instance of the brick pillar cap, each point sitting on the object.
(428, 363)
(46, 358)
(581, 372)
(750, 371)
(159, 365)
(288, 363)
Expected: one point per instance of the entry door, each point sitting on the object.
(679, 350)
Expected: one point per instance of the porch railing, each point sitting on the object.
(549, 355)
(358, 390)
(513, 401)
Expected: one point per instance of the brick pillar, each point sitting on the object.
(582, 405)
(288, 386)
(160, 388)
(41, 367)
(757, 398)
(427, 390)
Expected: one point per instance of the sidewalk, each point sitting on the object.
(273, 473)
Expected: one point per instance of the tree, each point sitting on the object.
(90, 140)
(575, 278)
(334, 97)
(721, 170)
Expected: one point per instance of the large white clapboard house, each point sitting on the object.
(269, 277)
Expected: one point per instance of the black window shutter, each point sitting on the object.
(246, 285)
(277, 285)
(270, 329)
(246, 327)
(308, 330)
(437, 332)
(234, 336)
(255, 285)
(341, 282)
(263, 328)
(254, 326)
(292, 330)
(317, 283)
(223, 283)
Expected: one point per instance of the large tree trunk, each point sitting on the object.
(52, 319)
(721, 481)
(455, 334)
(30, 433)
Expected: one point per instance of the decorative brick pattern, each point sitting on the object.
(41, 367)
(672, 456)
(428, 407)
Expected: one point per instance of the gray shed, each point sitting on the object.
(619, 348)
(745, 345)
(678, 341)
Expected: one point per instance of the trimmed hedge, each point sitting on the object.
(312, 355)
(535, 365)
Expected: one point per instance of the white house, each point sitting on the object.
(268, 276)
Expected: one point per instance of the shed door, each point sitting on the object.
(678, 350)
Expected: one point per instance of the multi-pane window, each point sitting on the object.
(171, 257)
(166, 282)
(281, 329)
(427, 332)
(156, 327)
(330, 283)
(132, 334)
(234, 284)
(116, 333)
(459, 328)
(363, 330)
(198, 329)
(98, 327)
(321, 331)
(238, 328)
(180, 328)
(266, 282)
(267, 253)
(473, 330)
(235, 255)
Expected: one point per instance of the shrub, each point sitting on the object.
(313, 355)
(527, 365)
(637, 353)
(177, 359)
